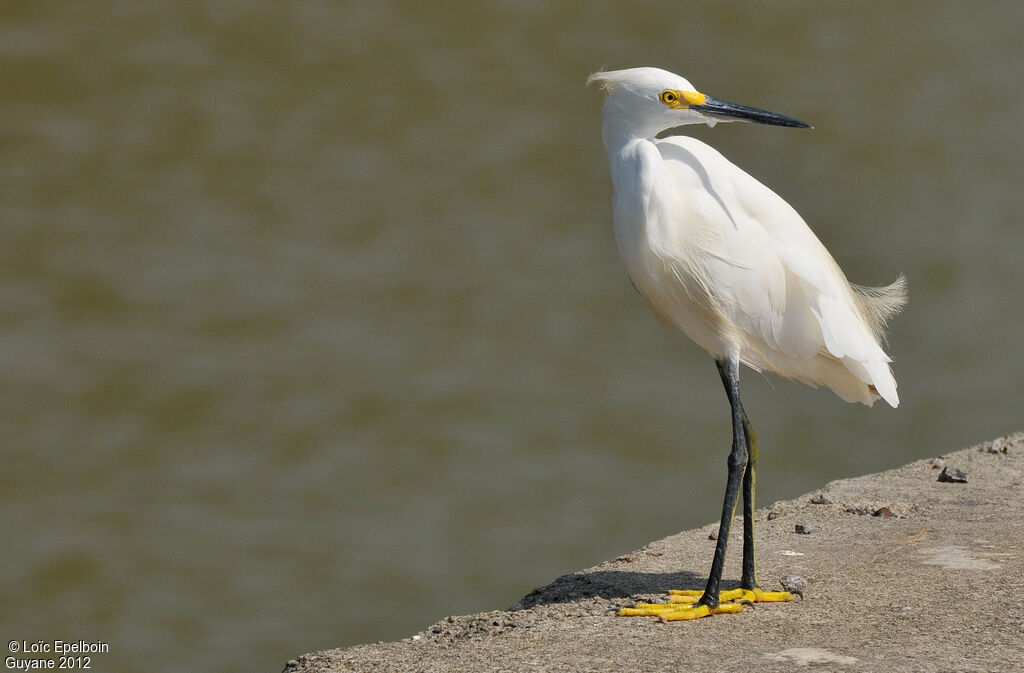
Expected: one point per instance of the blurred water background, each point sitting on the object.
(314, 332)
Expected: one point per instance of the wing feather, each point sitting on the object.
(773, 279)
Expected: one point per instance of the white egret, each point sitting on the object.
(727, 261)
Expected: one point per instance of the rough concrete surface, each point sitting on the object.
(904, 573)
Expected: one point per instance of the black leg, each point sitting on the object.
(742, 478)
(749, 580)
(729, 371)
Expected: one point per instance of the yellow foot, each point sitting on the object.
(682, 604)
(673, 612)
(689, 596)
(759, 596)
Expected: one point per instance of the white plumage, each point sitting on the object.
(723, 258)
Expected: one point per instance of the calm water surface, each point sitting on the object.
(313, 329)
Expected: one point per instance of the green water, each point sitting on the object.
(313, 331)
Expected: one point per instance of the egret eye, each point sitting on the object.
(669, 97)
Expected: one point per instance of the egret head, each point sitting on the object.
(647, 101)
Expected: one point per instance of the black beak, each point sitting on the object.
(720, 109)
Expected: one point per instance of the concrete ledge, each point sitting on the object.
(933, 582)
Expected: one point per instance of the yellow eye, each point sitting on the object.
(669, 97)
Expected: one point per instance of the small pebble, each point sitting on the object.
(774, 514)
(822, 499)
(995, 446)
(937, 463)
(712, 535)
(794, 584)
(803, 529)
(951, 475)
(884, 512)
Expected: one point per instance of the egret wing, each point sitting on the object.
(771, 276)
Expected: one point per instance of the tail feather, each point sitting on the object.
(878, 304)
(883, 382)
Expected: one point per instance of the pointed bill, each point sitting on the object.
(721, 110)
